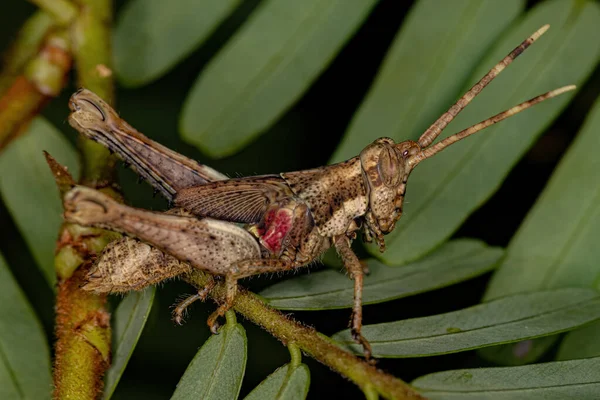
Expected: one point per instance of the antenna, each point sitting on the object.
(438, 126)
(436, 148)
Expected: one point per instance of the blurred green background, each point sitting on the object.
(305, 136)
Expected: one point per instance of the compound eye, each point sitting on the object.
(389, 166)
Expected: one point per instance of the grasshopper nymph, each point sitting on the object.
(293, 216)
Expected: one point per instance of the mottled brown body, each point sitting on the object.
(336, 195)
(294, 216)
(128, 264)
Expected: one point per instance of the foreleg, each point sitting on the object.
(355, 269)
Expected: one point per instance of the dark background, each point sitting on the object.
(304, 137)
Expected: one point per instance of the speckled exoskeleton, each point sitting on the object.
(295, 216)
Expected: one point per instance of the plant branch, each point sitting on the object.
(318, 346)
(92, 53)
(27, 45)
(43, 77)
(63, 11)
(34, 69)
(83, 324)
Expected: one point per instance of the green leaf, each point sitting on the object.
(286, 383)
(454, 262)
(429, 62)
(509, 319)
(569, 208)
(265, 68)
(581, 343)
(152, 36)
(24, 353)
(128, 322)
(29, 192)
(577, 379)
(447, 188)
(519, 353)
(217, 370)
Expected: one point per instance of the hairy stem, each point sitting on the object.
(83, 324)
(316, 345)
(83, 345)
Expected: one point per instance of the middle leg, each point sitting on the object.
(180, 309)
(243, 269)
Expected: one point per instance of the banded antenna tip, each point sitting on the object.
(541, 31)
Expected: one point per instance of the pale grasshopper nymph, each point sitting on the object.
(293, 216)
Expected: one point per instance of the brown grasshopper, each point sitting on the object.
(294, 216)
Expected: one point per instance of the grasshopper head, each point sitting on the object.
(386, 167)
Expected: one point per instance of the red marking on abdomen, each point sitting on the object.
(278, 223)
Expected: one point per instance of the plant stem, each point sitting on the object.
(370, 393)
(295, 354)
(83, 345)
(44, 77)
(83, 324)
(92, 54)
(311, 342)
(17, 107)
(27, 45)
(63, 11)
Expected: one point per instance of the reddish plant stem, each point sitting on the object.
(43, 77)
(27, 45)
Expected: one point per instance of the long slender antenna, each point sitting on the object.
(436, 148)
(438, 126)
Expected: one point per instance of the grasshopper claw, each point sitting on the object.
(213, 323)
